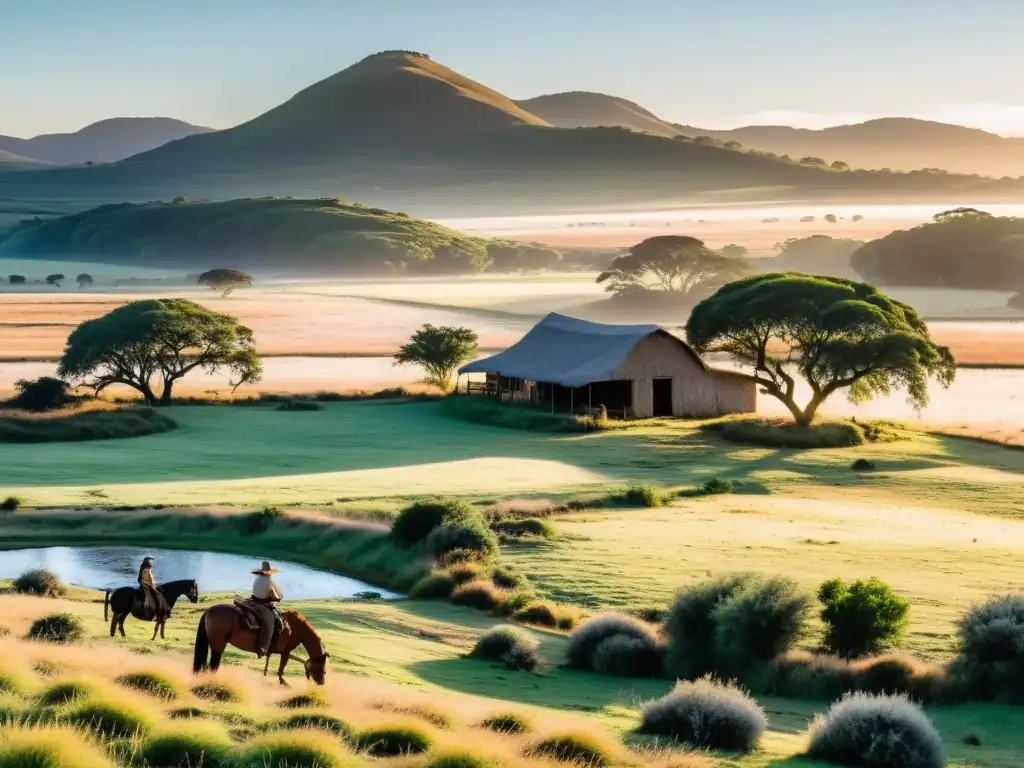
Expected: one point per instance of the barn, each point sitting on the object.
(635, 371)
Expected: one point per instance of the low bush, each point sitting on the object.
(861, 618)
(40, 582)
(43, 394)
(876, 732)
(151, 683)
(462, 760)
(66, 692)
(581, 749)
(57, 628)
(652, 614)
(481, 410)
(299, 404)
(35, 746)
(319, 721)
(187, 713)
(394, 740)
(716, 486)
(497, 641)
(465, 571)
(262, 520)
(222, 693)
(507, 578)
(435, 717)
(110, 719)
(479, 594)
(862, 465)
(706, 714)
(12, 679)
(194, 745)
(813, 676)
(782, 433)
(511, 723)
(690, 625)
(414, 523)
(989, 663)
(526, 528)
(467, 533)
(625, 656)
(640, 496)
(586, 638)
(437, 585)
(541, 614)
(309, 699)
(521, 658)
(85, 425)
(10, 504)
(295, 749)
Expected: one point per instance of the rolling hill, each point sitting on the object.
(584, 109)
(11, 160)
(402, 131)
(104, 142)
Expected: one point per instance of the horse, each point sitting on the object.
(222, 624)
(122, 602)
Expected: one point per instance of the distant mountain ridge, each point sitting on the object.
(585, 109)
(104, 142)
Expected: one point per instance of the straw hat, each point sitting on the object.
(265, 570)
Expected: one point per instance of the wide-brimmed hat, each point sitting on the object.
(265, 570)
(147, 561)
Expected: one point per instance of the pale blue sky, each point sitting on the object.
(66, 63)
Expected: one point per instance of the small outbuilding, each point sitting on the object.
(635, 371)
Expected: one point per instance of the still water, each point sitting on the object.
(109, 567)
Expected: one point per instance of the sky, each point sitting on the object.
(711, 63)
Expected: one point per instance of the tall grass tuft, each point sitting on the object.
(67, 691)
(394, 740)
(152, 683)
(479, 594)
(625, 656)
(295, 749)
(223, 693)
(437, 585)
(415, 522)
(585, 639)
(640, 496)
(462, 760)
(876, 732)
(188, 746)
(57, 628)
(436, 717)
(511, 723)
(582, 749)
(112, 719)
(319, 721)
(49, 747)
(706, 714)
(310, 699)
(40, 582)
(515, 647)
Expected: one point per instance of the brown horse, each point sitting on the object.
(222, 625)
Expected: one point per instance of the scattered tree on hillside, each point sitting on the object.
(816, 161)
(1016, 301)
(732, 145)
(158, 339)
(958, 214)
(831, 218)
(225, 280)
(55, 279)
(734, 251)
(839, 335)
(839, 165)
(16, 279)
(439, 350)
(857, 217)
(84, 280)
(817, 255)
(672, 264)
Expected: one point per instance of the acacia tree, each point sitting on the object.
(672, 264)
(225, 280)
(55, 279)
(158, 339)
(84, 280)
(838, 334)
(439, 350)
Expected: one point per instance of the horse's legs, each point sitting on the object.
(266, 667)
(113, 625)
(280, 669)
(120, 624)
(215, 660)
(162, 625)
(156, 628)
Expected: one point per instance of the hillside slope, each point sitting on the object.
(584, 109)
(12, 160)
(103, 142)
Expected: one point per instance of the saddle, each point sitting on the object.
(144, 608)
(261, 618)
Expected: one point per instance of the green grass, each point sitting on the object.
(83, 426)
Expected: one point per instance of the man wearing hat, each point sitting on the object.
(148, 592)
(265, 593)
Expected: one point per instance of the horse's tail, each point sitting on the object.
(106, 605)
(202, 646)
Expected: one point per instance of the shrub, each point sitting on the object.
(33, 746)
(43, 394)
(861, 618)
(470, 533)
(85, 425)
(641, 495)
(530, 527)
(414, 523)
(541, 614)
(262, 520)
(67, 691)
(706, 714)
(394, 740)
(717, 486)
(12, 680)
(583, 749)
(780, 433)
(507, 578)
(219, 692)
(461, 760)
(652, 614)
(479, 594)
(152, 683)
(862, 465)
(521, 658)
(690, 625)
(200, 745)
(298, 404)
(990, 660)
(110, 719)
(810, 676)
(465, 571)
(10, 504)
(187, 713)
(57, 628)
(319, 721)
(759, 622)
(40, 582)
(295, 749)
(507, 722)
(498, 641)
(876, 732)
(588, 636)
(302, 700)
(625, 656)
(437, 585)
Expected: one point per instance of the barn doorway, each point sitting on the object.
(662, 397)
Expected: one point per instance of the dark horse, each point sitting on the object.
(221, 625)
(122, 602)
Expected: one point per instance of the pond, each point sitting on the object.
(109, 567)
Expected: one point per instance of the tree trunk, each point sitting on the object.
(147, 393)
(165, 396)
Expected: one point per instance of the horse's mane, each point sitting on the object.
(296, 616)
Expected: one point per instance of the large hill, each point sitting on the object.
(104, 142)
(403, 131)
(584, 109)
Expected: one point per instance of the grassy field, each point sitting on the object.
(406, 654)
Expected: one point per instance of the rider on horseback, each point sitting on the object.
(267, 594)
(149, 595)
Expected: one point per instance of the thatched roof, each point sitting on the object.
(571, 352)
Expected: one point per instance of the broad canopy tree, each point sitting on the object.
(84, 280)
(439, 350)
(834, 333)
(672, 264)
(225, 280)
(161, 340)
